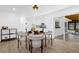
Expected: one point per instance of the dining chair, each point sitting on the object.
(36, 41)
(22, 39)
(48, 36)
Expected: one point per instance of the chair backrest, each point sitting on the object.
(36, 40)
(36, 37)
(48, 33)
(22, 35)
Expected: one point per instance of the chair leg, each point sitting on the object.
(18, 41)
(26, 42)
(51, 40)
(41, 45)
(45, 40)
(31, 46)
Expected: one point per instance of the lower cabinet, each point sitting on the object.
(8, 34)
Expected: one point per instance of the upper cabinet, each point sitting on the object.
(74, 17)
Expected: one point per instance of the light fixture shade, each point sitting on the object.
(35, 7)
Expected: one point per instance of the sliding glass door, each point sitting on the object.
(77, 25)
(71, 25)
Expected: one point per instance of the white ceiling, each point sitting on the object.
(28, 11)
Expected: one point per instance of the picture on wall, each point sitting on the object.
(57, 24)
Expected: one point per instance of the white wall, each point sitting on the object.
(38, 21)
(11, 20)
(61, 30)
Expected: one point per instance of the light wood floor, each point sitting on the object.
(59, 46)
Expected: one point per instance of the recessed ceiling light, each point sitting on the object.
(13, 9)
